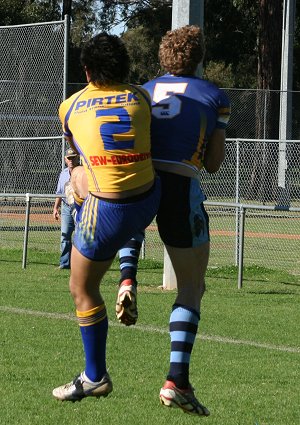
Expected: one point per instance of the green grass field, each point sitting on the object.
(245, 363)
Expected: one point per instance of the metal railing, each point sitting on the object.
(231, 225)
(241, 210)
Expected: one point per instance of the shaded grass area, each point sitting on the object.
(245, 363)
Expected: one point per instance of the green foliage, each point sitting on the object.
(226, 76)
(244, 72)
(230, 28)
(146, 22)
(132, 14)
(84, 21)
(219, 74)
(230, 58)
(25, 12)
(41, 11)
(142, 50)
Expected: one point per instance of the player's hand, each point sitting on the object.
(56, 214)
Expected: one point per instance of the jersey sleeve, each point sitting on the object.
(63, 113)
(148, 88)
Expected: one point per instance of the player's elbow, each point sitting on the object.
(213, 164)
(215, 151)
(212, 168)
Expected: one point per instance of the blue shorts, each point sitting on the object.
(104, 226)
(181, 219)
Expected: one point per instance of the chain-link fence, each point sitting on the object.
(32, 76)
(44, 230)
(255, 172)
(30, 165)
(246, 234)
(269, 237)
(259, 168)
(255, 114)
(32, 79)
(252, 171)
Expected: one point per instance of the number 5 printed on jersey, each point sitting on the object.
(120, 126)
(167, 105)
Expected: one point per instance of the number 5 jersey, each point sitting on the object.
(185, 112)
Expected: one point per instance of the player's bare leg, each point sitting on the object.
(92, 318)
(85, 280)
(126, 305)
(190, 266)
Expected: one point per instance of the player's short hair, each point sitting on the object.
(182, 49)
(106, 58)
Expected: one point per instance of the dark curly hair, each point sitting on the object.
(182, 49)
(106, 58)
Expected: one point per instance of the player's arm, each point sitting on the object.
(56, 206)
(79, 183)
(215, 151)
(62, 113)
(58, 200)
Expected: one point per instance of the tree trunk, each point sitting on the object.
(267, 102)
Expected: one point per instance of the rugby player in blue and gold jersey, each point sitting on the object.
(108, 124)
(189, 117)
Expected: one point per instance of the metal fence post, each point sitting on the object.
(237, 200)
(66, 54)
(28, 198)
(241, 246)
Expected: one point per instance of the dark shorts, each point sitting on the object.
(104, 226)
(182, 220)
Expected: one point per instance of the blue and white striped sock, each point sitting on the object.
(129, 257)
(183, 329)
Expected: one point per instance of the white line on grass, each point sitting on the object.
(146, 328)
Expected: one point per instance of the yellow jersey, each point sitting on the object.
(110, 128)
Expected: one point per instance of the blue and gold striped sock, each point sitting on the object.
(183, 329)
(94, 326)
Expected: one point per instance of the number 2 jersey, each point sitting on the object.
(185, 112)
(110, 128)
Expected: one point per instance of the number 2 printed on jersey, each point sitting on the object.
(110, 129)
